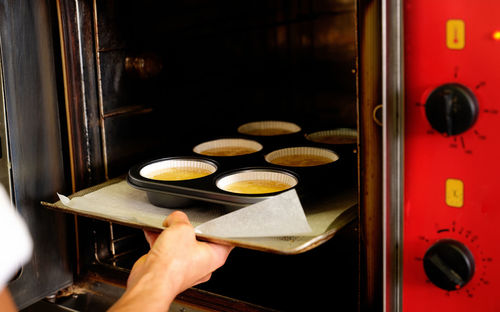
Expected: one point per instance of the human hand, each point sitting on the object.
(175, 262)
(177, 248)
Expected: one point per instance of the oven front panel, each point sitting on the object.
(452, 141)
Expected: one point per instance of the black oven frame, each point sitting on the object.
(72, 71)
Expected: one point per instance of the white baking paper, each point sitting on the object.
(280, 215)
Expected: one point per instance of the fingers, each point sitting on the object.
(204, 279)
(176, 217)
(141, 260)
(219, 254)
(151, 237)
(194, 260)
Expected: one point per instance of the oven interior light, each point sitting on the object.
(496, 35)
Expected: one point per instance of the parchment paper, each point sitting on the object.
(280, 224)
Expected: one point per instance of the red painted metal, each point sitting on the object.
(431, 158)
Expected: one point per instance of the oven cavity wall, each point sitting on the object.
(143, 79)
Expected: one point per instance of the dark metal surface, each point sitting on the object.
(97, 296)
(223, 64)
(5, 173)
(370, 154)
(35, 145)
(82, 107)
(322, 279)
(131, 136)
(86, 296)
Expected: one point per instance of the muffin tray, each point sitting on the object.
(263, 164)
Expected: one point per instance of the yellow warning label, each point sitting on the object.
(454, 193)
(455, 34)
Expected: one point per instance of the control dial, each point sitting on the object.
(451, 108)
(449, 264)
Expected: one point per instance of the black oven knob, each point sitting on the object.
(451, 109)
(449, 264)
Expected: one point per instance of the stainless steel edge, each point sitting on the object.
(32, 119)
(393, 160)
(5, 173)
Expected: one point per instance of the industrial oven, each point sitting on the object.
(90, 88)
(440, 222)
(113, 83)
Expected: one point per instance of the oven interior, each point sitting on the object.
(173, 74)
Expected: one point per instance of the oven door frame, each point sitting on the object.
(84, 151)
(34, 150)
(393, 149)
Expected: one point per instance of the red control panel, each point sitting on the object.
(451, 221)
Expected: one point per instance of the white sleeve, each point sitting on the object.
(15, 240)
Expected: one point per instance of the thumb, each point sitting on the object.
(176, 217)
(151, 237)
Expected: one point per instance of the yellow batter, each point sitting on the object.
(181, 173)
(256, 187)
(228, 151)
(301, 160)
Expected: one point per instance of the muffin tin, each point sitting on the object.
(257, 165)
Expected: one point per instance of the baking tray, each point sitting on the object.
(325, 214)
(311, 181)
(180, 193)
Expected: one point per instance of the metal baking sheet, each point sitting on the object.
(325, 215)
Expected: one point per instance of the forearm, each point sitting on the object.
(148, 294)
(175, 262)
(6, 302)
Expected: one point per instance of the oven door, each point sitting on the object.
(31, 163)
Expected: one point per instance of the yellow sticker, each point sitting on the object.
(455, 34)
(454, 193)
